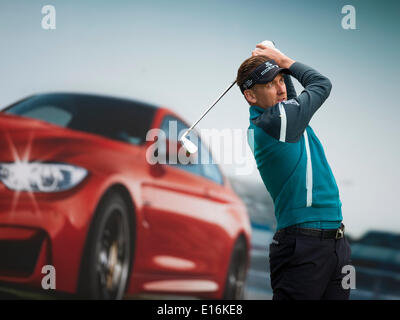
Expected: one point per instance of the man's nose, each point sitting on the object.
(280, 88)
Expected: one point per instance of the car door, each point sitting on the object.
(181, 223)
(221, 204)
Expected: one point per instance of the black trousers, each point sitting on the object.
(304, 267)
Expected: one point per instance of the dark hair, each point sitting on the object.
(248, 66)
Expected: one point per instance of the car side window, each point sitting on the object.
(208, 169)
(172, 127)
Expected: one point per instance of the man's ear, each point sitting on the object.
(250, 96)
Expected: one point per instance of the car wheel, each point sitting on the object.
(236, 278)
(107, 257)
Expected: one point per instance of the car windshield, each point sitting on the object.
(118, 119)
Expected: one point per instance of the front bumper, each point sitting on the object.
(45, 229)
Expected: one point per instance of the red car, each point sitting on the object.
(78, 193)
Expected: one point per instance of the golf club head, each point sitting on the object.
(188, 145)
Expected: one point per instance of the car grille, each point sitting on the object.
(18, 257)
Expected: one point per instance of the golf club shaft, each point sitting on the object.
(219, 98)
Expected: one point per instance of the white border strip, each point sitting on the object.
(282, 137)
(309, 176)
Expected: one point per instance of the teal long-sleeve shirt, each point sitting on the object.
(290, 157)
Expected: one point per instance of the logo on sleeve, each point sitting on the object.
(291, 101)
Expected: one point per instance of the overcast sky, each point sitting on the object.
(183, 54)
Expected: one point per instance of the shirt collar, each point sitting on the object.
(255, 112)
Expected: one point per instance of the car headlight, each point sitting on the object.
(40, 177)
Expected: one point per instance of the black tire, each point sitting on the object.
(236, 277)
(106, 262)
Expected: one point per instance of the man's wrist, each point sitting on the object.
(286, 63)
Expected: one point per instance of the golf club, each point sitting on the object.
(189, 145)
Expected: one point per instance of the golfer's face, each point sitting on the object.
(270, 93)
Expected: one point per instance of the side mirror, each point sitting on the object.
(166, 153)
(157, 170)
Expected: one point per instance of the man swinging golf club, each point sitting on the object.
(309, 249)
